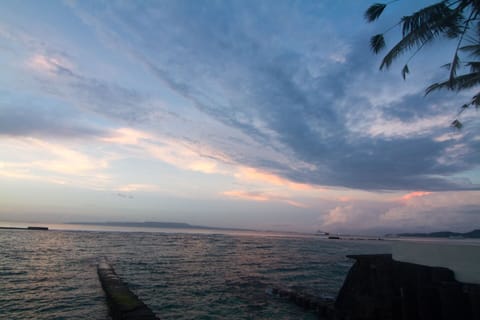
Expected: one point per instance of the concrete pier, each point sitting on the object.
(123, 304)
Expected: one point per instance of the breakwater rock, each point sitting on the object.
(123, 304)
(380, 288)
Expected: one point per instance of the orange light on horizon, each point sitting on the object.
(248, 173)
(259, 196)
(245, 195)
(126, 136)
(415, 194)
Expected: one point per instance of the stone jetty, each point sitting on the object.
(123, 304)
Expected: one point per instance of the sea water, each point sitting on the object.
(179, 275)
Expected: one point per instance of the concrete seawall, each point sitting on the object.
(123, 304)
(380, 288)
(460, 256)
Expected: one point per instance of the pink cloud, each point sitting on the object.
(262, 196)
(415, 194)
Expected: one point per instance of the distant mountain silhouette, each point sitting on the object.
(444, 234)
(153, 224)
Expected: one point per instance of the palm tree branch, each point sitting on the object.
(464, 81)
(422, 27)
(456, 61)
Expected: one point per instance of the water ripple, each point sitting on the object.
(52, 275)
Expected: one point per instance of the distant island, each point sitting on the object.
(153, 224)
(475, 234)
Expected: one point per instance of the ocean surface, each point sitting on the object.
(184, 274)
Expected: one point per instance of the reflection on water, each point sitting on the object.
(47, 275)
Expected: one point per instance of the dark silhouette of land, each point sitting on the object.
(474, 234)
(27, 228)
(153, 224)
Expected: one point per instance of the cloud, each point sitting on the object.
(44, 119)
(36, 159)
(417, 211)
(125, 196)
(126, 136)
(188, 155)
(252, 174)
(132, 187)
(269, 85)
(273, 82)
(262, 196)
(103, 97)
(415, 194)
(50, 64)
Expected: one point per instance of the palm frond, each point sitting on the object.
(408, 42)
(465, 81)
(377, 43)
(457, 124)
(374, 11)
(430, 16)
(405, 71)
(474, 66)
(476, 100)
(424, 26)
(473, 49)
(446, 66)
(454, 65)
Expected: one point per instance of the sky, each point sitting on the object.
(252, 114)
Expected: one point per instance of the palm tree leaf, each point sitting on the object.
(465, 81)
(422, 27)
(476, 100)
(411, 40)
(474, 66)
(431, 16)
(405, 71)
(457, 124)
(377, 43)
(374, 11)
(455, 64)
(446, 66)
(473, 50)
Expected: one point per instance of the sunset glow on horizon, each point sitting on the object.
(269, 115)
